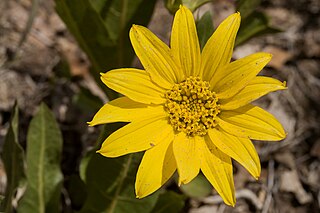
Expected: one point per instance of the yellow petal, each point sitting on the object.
(157, 166)
(240, 149)
(135, 84)
(155, 56)
(217, 168)
(123, 110)
(258, 87)
(218, 50)
(137, 136)
(184, 42)
(251, 122)
(186, 155)
(235, 76)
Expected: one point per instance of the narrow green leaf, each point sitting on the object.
(44, 177)
(173, 5)
(194, 4)
(110, 185)
(87, 101)
(104, 133)
(205, 28)
(254, 25)
(110, 181)
(13, 160)
(246, 7)
(102, 27)
(169, 202)
(198, 187)
(77, 191)
(88, 28)
(117, 14)
(100, 5)
(1, 200)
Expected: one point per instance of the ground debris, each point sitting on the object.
(289, 182)
(290, 173)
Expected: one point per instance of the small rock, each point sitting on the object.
(315, 150)
(204, 209)
(280, 57)
(289, 182)
(312, 43)
(18, 87)
(286, 158)
(313, 178)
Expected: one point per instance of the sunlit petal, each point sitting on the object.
(218, 50)
(240, 149)
(251, 122)
(186, 154)
(137, 136)
(258, 87)
(184, 42)
(238, 74)
(157, 166)
(217, 168)
(155, 56)
(135, 84)
(123, 110)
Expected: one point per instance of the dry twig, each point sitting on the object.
(243, 193)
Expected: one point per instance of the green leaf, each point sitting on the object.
(102, 27)
(173, 5)
(88, 28)
(169, 202)
(107, 130)
(110, 186)
(205, 28)
(100, 5)
(254, 25)
(246, 7)
(44, 177)
(13, 160)
(110, 181)
(198, 187)
(194, 4)
(87, 101)
(76, 190)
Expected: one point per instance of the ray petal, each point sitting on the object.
(218, 50)
(135, 84)
(184, 42)
(186, 155)
(240, 149)
(137, 136)
(123, 110)
(217, 168)
(251, 122)
(236, 75)
(155, 56)
(157, 166)
(257, 88)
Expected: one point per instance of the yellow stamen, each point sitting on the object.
(192, 107)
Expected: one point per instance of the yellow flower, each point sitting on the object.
(189, 110)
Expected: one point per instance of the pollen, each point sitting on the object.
(192, 107)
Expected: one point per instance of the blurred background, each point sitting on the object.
(53, 52)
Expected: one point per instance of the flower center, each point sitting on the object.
(192, 107)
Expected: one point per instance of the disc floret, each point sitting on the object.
(192, 106)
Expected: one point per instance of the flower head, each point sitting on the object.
(188, 110)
